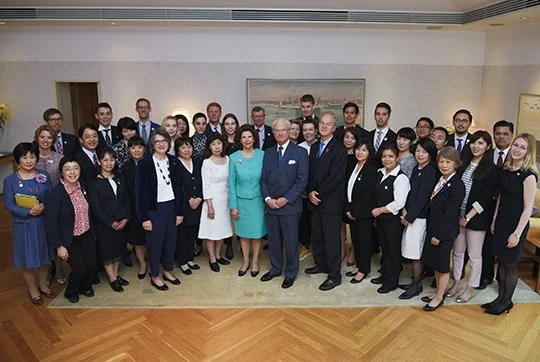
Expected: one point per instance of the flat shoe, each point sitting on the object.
(214, 266)
(356, 281)
(462, 300)
(37, 300)
(223, 261)
(162, 287)
(350, 274)
(174, 281)
(194, 267)
(122, 280)
(116, 286)
(254, 273)
(426, 299)
(50, 294)
(429, 308)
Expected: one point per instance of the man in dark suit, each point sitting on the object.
(65, 143)
(145, 126)
(108, 134)
(461, 121)
(503, 132)
(266, 136)
(307, 106)
(86, 156)
(382, 134)
(213, 112)
(326, 192)
(350, 112)
(284, 178)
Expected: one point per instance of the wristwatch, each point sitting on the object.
(467, 219)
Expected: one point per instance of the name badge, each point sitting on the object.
(292, 162)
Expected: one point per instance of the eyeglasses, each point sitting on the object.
(459, 120)
(162, 142)
(59, 119)
(423, 127)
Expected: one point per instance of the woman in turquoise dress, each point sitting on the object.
(245, 199)
(30, 251)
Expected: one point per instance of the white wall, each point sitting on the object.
(512, 67)
(418, 72)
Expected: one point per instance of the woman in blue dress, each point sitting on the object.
(245, 199)
(30, 251)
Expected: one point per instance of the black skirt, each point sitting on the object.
(437, 257)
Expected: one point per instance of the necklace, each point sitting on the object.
(167, 178)
(32, 191)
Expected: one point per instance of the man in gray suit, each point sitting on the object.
(284, 178)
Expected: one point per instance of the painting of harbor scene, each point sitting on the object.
(529, 118)
(281, 97)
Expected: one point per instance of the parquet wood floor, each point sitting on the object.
(30, 333)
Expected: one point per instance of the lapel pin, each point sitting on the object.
(386, 187)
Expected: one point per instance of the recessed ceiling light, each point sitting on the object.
(113, 22)
(434, 27)
(496, 24)
(2, 23)
(525, 17)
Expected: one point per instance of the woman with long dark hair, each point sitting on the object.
(479, 175)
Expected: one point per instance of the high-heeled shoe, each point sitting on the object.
(426, 299)
(37, 300)
(351, 273)
(500, 308)
(490, 304)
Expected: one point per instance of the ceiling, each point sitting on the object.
(377, 13)
(373, 5)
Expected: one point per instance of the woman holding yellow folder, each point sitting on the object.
(24, 193)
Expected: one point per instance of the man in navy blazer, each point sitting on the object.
(382, 134)
(145, 126)
(65, 143)
(461, 121)
(326, 192)
(284, 178)
(108, 134)
(264, 132)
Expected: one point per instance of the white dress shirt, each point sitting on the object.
(401, 189)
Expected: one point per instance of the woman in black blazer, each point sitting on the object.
(414, 215)
(189, 229)
(110, 205)
(68, 227)
(160, 206)
(358, 205)
(479, 175)
(443, 223)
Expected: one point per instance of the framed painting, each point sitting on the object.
(280, 98)
(529, 118)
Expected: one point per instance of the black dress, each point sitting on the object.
(108, 207)
(136, 236)
(508, 215)
(443, 223)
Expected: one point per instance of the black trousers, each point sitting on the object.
(185, 242)
(83, 262)
(390, 231)
(488, 260)
(305, 224)
(361, 240)
(161, 241)
(326, 243)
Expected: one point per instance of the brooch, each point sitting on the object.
(41, 178)
(239, 161)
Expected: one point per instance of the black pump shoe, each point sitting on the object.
(163, 287)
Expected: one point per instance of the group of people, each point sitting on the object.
(422, 195)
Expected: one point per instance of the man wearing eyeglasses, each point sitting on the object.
(462, 121)
(65, 143)
(145, 126)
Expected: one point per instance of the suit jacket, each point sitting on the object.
(482, 192)
(115, 137)
(466, 147)
(107, 207)
(340, 131)
(146, 187)
(193, 189)
(89, 171)
(208, 131)
(60, 216)
(444, 208)
(153, 127)
(422, 183)
(327, 176)
(70, 144)
(362, 192)
(269, 139)
(288, 180)
(390, 138)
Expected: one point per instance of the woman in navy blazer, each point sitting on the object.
(443, 223)
(69, 229)
(358, 206)
(160, 203)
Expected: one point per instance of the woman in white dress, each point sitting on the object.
(215, 218)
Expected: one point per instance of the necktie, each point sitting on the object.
(58, 145)
(500, 160)
(144, 134)
(378, 140)
(460, 145)
(107, 137)
(308, 118)
(279, 155)
(95, 160)
(261, 138)
(321, 149)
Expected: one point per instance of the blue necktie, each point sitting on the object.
(280, 155)
(460, 146)
(321, 149)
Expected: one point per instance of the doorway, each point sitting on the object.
(77, 101)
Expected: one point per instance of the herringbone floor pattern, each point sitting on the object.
(30, 333)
